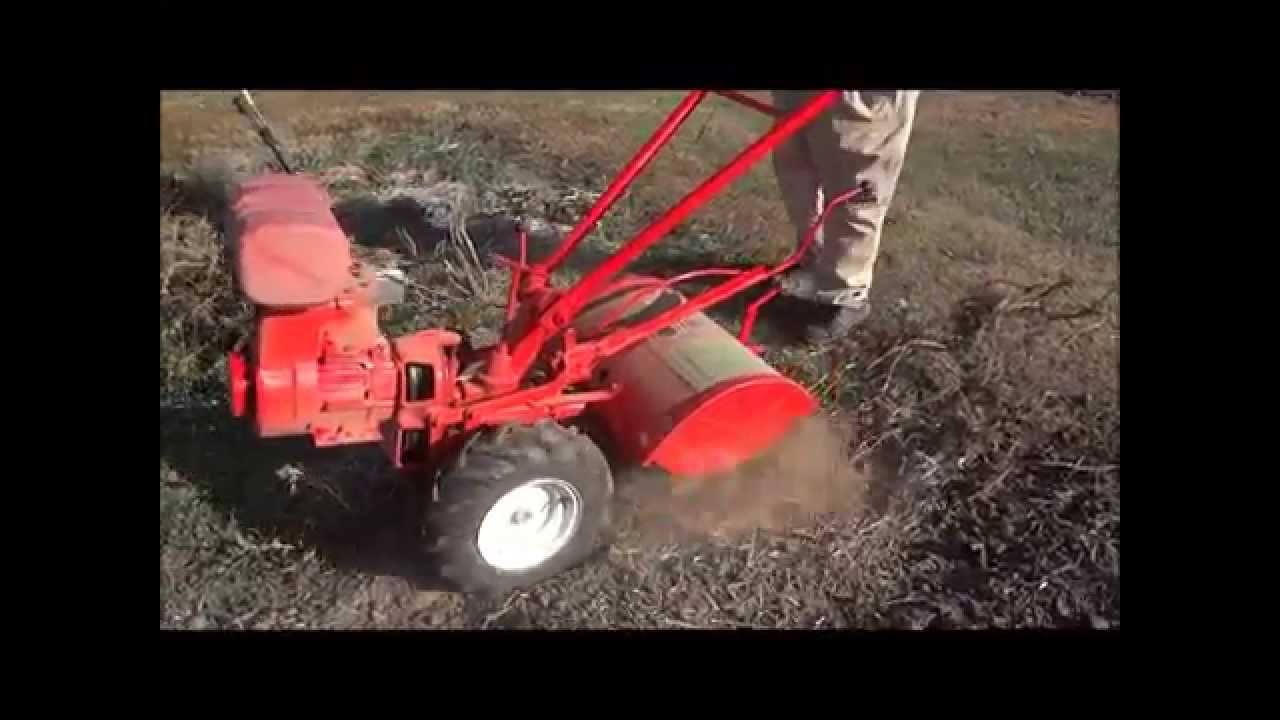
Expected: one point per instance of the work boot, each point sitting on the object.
(823, 323)
(836, 322)
(825, 315)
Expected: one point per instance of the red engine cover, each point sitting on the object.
(289, 249)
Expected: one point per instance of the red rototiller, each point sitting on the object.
(518, 492)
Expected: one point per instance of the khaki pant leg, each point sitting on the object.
(796, 172)
(863, 138)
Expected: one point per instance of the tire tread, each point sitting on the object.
(485, 469)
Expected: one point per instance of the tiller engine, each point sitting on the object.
(519, 493)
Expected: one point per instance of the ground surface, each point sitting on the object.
(984, 391)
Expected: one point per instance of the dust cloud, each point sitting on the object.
(808, 473)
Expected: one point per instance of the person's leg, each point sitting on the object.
(863, 138)
(795, 170)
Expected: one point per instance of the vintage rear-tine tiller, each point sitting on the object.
(516, 495)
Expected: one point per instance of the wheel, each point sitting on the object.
(518, 506)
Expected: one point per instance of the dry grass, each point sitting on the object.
(197, 317)
(984, 393)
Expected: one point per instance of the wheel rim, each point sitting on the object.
(530, 524)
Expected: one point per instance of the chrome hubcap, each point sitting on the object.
(529, 525)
